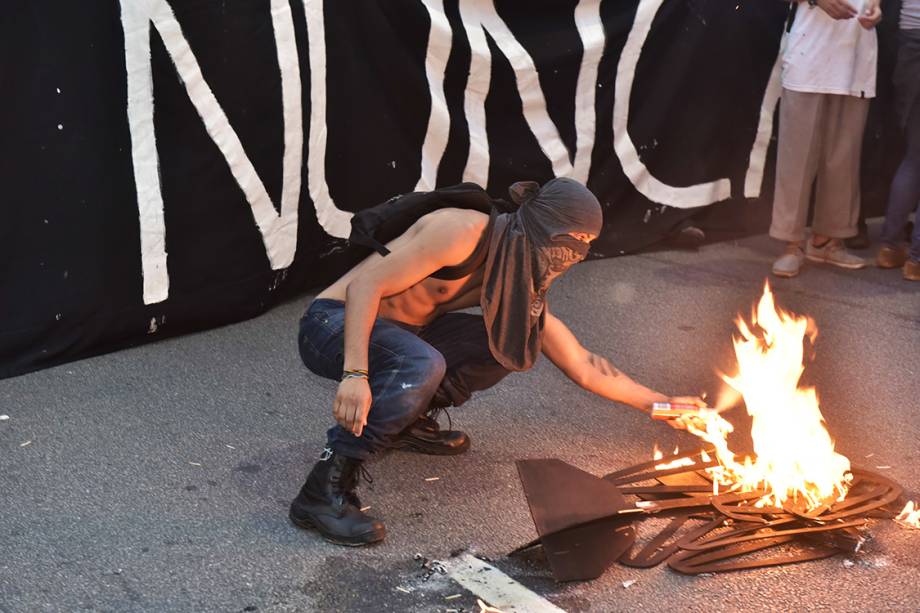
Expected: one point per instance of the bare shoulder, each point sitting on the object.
(455, 227)
(457, 219)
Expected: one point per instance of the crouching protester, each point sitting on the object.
(388, 331)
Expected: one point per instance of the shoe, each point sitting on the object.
(789, 264)
(688, 237)
(912, 270)
(891, 257)
(426, 436)
(833, 252)
(861, 240)
(327, 502)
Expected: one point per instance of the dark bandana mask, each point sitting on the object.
(529, 249)
(552, 261)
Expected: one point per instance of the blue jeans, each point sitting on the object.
(411, 369)
(905, 189)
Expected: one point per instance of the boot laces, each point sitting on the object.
(435, 412)
(351, 480)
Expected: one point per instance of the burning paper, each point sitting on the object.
(795, 457)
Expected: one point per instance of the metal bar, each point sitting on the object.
(850, 540)
(691, 564)
(654, 553)
(699, 501)
(723, 542)
(652, 463)
(666, 489)
(649, 476)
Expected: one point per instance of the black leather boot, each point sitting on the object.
(327, 502)
(426, 436)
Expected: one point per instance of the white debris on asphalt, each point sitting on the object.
(4, 417)
(875, 562)
(432, 478)
(883, 467)
(629, 583)
(484, 608)
(229, 446)
(848, 564)
(404, 590)
(453, 596)
(26, 444)
(363, 509)
(195, 463)
(491, 585)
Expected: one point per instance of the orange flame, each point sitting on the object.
(657, 455)
(795, 457)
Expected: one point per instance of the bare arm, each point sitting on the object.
(838, 9)
(439, 242)
(591, 371)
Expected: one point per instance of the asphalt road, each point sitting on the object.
(158, 478)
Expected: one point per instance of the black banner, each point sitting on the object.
(177, 164)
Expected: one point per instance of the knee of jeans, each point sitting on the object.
(431, 367)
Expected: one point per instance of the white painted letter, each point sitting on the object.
(279, 231)
(333, 220)
(479, 17)
(694, 195)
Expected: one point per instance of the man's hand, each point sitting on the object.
(871, 15)
(682, 422)
(352, 404)
(838, 9)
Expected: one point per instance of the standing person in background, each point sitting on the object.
(905, 187)
(829, 72)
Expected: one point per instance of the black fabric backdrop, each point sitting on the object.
(70, 267)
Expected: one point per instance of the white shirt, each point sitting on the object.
(830, 56)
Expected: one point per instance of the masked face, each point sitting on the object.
(553, 260)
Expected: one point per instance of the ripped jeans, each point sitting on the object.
(411, 369)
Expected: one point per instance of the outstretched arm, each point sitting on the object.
(593, 372)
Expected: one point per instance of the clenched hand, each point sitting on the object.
(682, 422)
(838, 9)
(352, 404)
(872, 14)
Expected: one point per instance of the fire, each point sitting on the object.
(657, 455)
(795, 457)
(909, 515)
